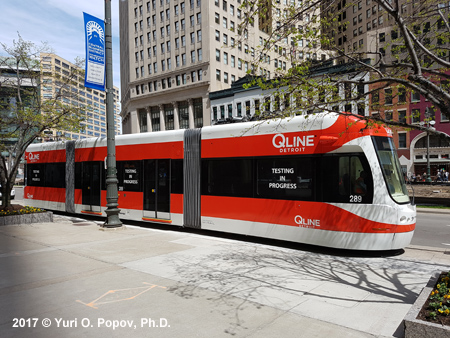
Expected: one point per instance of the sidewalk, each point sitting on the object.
(68, 279)
(433, 210)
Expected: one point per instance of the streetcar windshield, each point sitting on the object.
(390, 167)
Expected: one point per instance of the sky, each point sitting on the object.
(58, 23)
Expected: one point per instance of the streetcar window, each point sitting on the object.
(177, 177)
(129, 175)
(46, 175)
(36, 175)
(227, 177)
(391, 168)
(55, 175)
(83, 172)
(346, 179)
(78, 175)
(286, 178)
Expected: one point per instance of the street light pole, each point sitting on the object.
(112, 195)
(428, 179)
(429, 127)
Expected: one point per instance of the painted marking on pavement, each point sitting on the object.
(114, 296)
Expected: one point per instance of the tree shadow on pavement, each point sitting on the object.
(295, 281)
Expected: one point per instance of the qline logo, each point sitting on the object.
(292, 144)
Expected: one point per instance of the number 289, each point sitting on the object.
(355, 198)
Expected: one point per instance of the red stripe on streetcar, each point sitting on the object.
(320, 216)
(91, 212)
(157, 220)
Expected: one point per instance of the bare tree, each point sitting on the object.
(408, 52)
(25, 114)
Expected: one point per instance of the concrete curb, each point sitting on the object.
(433, 211)
(41, 217)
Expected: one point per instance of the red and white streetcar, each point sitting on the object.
(323, 179)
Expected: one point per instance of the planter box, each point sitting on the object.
(40, 217)
(416, 328)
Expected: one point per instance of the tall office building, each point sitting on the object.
(364, 29)
(173, 53)
(92, 100)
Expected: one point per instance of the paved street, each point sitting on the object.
(70, 279)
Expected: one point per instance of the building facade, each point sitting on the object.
(238, 104)
(396, 104)
(175, 52)
(92, 101)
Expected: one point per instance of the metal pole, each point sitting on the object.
(428, 179)
(112, 195)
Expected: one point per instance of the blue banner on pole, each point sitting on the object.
(95, 52)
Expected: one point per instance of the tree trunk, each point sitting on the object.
(6, 196)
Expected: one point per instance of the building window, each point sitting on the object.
(156, 124)
(361, 109)
(402, 116)
(388, 115)
(415, 96)
(402, 140)
(388, 96)
(198, 113)
(217, 75)
(217, 55)
(401, 95)
(168, 117)
(415, 116)
(183, 114)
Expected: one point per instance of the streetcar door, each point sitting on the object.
(157, 189)
(91, 186)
